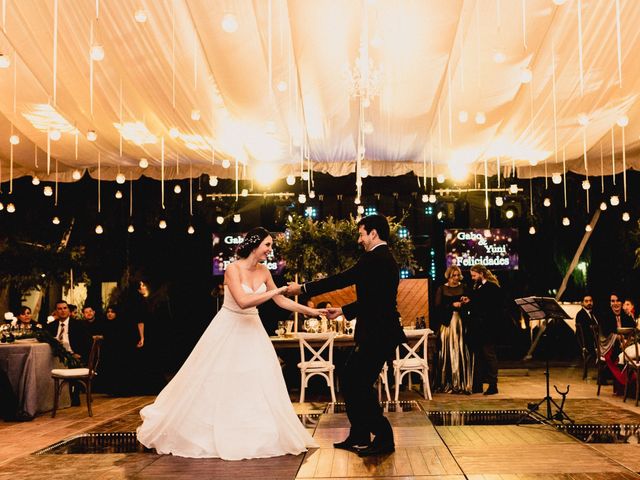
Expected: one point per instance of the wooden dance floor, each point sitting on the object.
(427, 447)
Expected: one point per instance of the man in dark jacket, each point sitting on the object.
(377, 334)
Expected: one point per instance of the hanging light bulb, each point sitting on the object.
(131, 228)
(48, 191)
(533, 162)
(291, 179)
(213, 181)
(603, 206)
(499, 201)
(357, 201)
(425, 198)
(162, 224)
(92, 136)
(513, 188)
(195, 114)
(1, 206)
(173, 132)
(614, 200)
(120, 178)
(199, 197)
(226, 163)
(177, 188)
(586, 185)
(360, 209)
(556, 178)
(141, 16)
(55, 220)
(481, 118)
(525, 75)
(99, 229)
(97, 53)
(229, 23)
(583, 119)
(509, 214)
(367, 128)
(220, 219)
(626, 217)
(433, 198)
(11, 208)
(463, 116)
(440, 178)
(14, 139)
(499, 56)
(118, 194)
(532, 230)
(55, 135)
(5, 61)
(191, 230)
(565, 221)
(364, 172)
(588, 228)
(302, 198)
(143, 163)
(76, 175)
(546, 202)
(622, 121)
(35, 180)
(236, 217)
(305, 176)
(281, 86)
(312, 194)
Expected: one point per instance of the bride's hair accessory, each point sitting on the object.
(252, 239)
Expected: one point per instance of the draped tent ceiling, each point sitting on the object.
(278, 94)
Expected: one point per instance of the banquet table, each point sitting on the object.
(28, 366)
(290, 340)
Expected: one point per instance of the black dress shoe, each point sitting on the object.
(476, 390)
(492, 390)
(351, 446)
(377, 449)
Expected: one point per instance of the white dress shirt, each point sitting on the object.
(65, 335)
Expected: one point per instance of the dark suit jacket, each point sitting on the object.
(376, 277)
(608, 324)
(584, 325)
(485, 311)
(79, 337)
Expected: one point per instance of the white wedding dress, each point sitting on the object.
(229, 399)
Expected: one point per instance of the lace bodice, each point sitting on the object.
(230, 302)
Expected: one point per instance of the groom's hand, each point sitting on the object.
(294, 288)
(334, 312)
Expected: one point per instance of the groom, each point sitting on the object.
(378, 333)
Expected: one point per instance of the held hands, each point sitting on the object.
(333, 312)
(464, 299)
(294, 288)
(317, 312)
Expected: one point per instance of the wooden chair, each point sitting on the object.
(413, 360)
(631, 359)
(62, 376)
(601, 364)
(316, 364)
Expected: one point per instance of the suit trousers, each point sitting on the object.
(363, 409)
(486, 365)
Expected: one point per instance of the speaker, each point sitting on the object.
(477, 211)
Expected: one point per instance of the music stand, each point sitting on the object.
(545, 309)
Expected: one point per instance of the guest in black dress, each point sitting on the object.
(455, 362)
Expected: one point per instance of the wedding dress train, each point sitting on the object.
(229, 399)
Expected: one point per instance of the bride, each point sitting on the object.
(229, 399)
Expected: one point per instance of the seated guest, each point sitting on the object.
(629, 307)
(73, 309)
(585, 321)
(25, 319)
(91, 321)
(612, 319)
(73, 336)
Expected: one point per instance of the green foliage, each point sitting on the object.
(25, 265)
(315, 249)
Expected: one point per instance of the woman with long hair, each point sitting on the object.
(485, 310)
